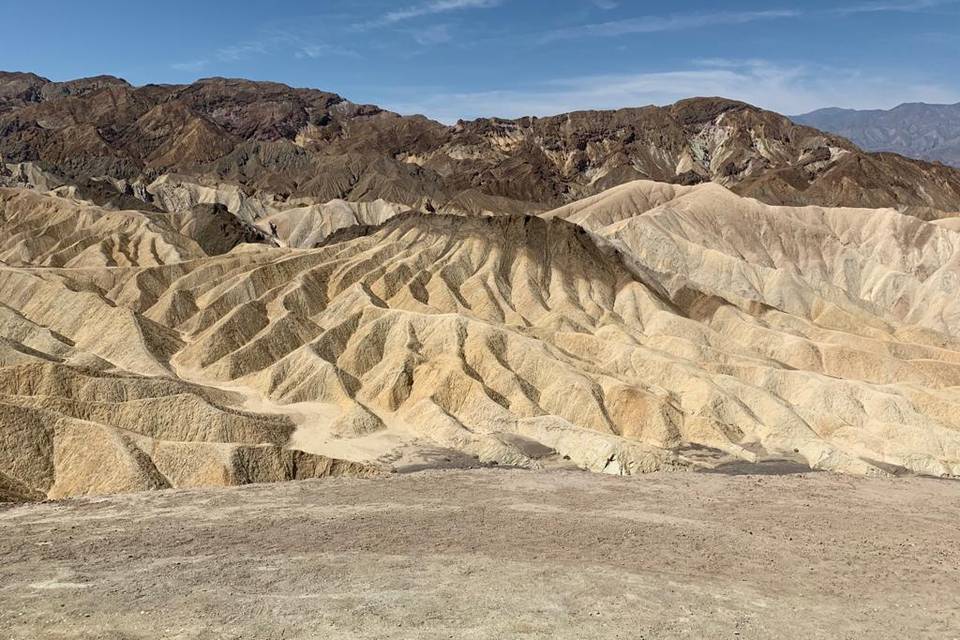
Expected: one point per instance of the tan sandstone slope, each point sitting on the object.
(651, 326)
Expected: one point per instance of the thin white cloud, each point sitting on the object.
(905, 6)
(314, 51)
(274, 42)
(432, 35)
(435, 7)
(688, 21)
(782, 88)
(656, 24)
(241, 50)
(191, 65)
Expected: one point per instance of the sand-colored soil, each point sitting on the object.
(493, 554)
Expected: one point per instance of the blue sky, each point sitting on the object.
(467, 58)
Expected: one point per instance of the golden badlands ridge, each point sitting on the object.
(650, 326)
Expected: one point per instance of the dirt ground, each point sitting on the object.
(493, 554)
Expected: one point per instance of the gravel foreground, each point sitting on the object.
(492, 554)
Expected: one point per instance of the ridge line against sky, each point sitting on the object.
(453, 59)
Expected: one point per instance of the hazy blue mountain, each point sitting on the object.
(918, 130)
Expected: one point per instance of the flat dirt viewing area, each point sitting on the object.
(492, 553)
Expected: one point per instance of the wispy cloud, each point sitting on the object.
(273, 42)
(688, 21)
(655, 24)
(434, 34)
(314, 51)
(904, 6)
(242, 50)
(784, 88)
(190, 65)
(435, 7)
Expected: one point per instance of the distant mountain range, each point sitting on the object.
(918, 130)
(282, 142)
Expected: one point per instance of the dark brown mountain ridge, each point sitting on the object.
(308, 143)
